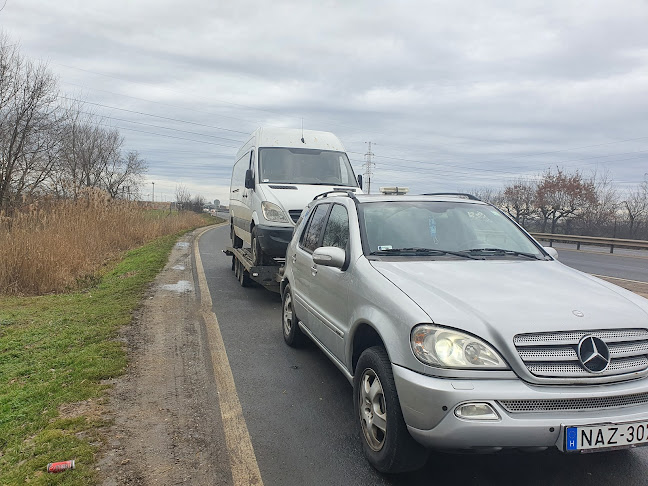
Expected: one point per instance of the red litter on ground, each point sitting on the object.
(57, 467)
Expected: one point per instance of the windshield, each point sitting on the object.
(305, 166)
(472, 229)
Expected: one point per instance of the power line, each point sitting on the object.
(151, 115)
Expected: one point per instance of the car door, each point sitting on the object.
(329, 299)
(302, 265)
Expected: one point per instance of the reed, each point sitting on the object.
(55, 246)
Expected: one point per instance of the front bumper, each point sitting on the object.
(423, 399)
(274, 240)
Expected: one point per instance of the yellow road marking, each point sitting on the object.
(245, 470)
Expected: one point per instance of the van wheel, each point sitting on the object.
(258, 258)
(236, 241)
(292, 334)
(387, 444)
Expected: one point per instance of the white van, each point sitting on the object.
(276, 174)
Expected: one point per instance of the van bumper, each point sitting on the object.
(274, 239)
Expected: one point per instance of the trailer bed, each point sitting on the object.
(268, 276)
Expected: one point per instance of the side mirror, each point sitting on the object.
(360, 181)
(329, 256)
(249, 179)
(553, 253)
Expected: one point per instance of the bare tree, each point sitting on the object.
(597, 217)
(561, 195)
(122, 172)
(183, 197)
(636, 206)
(518, 200)
(28, 119)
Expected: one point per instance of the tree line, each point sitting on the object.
(51, 147)
(559, 201)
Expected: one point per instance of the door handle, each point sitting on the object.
(314, 270)
(294, 257)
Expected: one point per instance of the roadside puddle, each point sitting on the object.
(181, 287)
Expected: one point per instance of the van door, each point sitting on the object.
(248, 200)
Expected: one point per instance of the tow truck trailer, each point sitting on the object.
(268, 276)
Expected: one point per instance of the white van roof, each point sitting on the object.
(292, 137)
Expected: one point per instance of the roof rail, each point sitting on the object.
(457, 194)
(340, 192)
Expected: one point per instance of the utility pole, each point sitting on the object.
(368, 165)
(153, 191)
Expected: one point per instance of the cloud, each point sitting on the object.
(454, 95)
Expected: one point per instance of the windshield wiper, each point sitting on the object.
(421, 251)
(502, 251)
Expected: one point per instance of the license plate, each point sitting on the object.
(606, 436)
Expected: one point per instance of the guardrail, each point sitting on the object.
(592, 240)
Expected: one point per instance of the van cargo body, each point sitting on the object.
(277, 172)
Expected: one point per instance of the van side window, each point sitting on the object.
(337, 228)
(252, 162)
(310, 240)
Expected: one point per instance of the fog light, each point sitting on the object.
(476, 411)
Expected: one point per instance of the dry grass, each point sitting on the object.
(59, 246)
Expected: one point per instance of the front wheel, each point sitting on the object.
(387, 444)
(258, 257)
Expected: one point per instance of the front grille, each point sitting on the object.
(554, 354)
(295, 214)
(573, 404)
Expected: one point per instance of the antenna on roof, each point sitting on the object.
(303, 141)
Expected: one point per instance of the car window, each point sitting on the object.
(311, 237)
(337, 228)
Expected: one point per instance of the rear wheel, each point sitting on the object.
(387, 444)
(292, 334)
(236, 241)
(244, 276)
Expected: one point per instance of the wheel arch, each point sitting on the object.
(364, 336)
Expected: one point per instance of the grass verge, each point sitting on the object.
(55, 353)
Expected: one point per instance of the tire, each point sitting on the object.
(244, 276)
(258, 257)
(236, 241)
(387, 444)
(292, 334)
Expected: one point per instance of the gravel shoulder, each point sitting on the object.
(167, 426)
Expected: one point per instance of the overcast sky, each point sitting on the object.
(453, 95)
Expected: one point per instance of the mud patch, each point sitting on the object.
(90, 409)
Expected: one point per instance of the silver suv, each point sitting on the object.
(459, 331)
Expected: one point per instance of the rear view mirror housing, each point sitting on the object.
(329, 256)
(553, 253)
(249, 179)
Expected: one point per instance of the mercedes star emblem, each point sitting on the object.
(593, 354)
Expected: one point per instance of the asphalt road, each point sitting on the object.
(299, 413)
(631, 266)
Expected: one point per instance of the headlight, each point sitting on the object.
(447, 348)
(273, 213)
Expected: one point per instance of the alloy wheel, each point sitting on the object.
(373, 411)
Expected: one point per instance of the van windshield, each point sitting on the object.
(305, 166)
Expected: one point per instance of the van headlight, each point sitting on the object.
(272, 212)
(447, 348)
